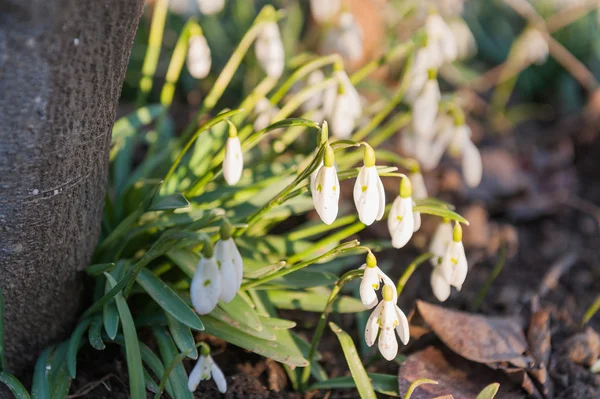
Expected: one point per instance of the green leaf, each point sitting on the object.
(251, 270)
(383, 383)
(185, 259)
(41, 388)
(219, 314)
(135, 369)
(14, 385)
(98, 269)
(110, 315)
(177, 375)
(182, 335)
(277, 324)
(241, 311)
(174, 363)
(168, 299)
(489, 392)
(169, 202)
(416, 384)
(95, 334)
(305, 279)
(441, 212)
(60, 381)
(150, 383)
(74, 345)
(361, 379)
(270, 349)
(313, 301)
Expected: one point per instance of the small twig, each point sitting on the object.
(575, 67)
(89, 387)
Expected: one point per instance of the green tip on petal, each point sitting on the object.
(432, 74)
(226, 229)
(457, 233)
(204, 349)
(324, 133)
(369, 158)
(207, 250)
(329, 158)
(232, 129)
(387, 292)
(405, 187)
(371, 260)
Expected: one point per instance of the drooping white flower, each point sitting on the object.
(346, 38)
(425, 108)
(198, 59)
(418, 74)
(369, 284)
(209, 7)
(401, 223)
(531, 47)
(315, 102)
(440, 287)
(440, 241)
(326, 188)
(441, 42)
(324, 11)
(466, 45)
(231, 267)
(342, 106)
(203, 370)
(206, 285)
(264, 111)
(369, 195)
(269, 50)
(454, 263)
(388, 317)
(463, 147)
(233, 163)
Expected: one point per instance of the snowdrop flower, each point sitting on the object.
(313, 103)
(206, 286)
(462, 146)
(370, 281)
(369, 195)
(418, 74)
(209, 7)
(233, 164)
(346, 39)
(440, 241)
(204, 369)
(198, 59)
(419, 192)
(323, 11)
(532, 47)
(440, 41)
(425, 107)
(230, 264)
(265, 111)
(401, 222)
(466, 45)
(269, 50)
(342, 106)
(387, 316)
(453, 269)
(326, 188)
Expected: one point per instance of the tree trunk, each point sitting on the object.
(62, 64)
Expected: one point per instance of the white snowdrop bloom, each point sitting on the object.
(346, 39)
(440, 41)
(442, 237)
(401, 222)
(269, 50)
(419, 189)
(264, 111)
(342, 106)
(532, 47)
(209, 7)
(231, 267)
(324, 11)
(454, 263)
(206, 286)
(233, 163)
(425, 109)
(440, 287)
(462, 146)
(326, 189)
(388, 317)
(203, 370)
(466, 45)
(198, 59)
(370, 281)
(418, 74)
(315, 102)
(369, 195)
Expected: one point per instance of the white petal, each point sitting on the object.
(368, 285)
(326, 194)
(269, 50)
(219, 378)
(402, 329)
(225, 258)
(401, 222)
(439, 285)
(233, 164)
(465, 41)
(461, 268)
(367, 194)
(440, 241)
(447, 265)
(381, 204)
(419, 189)
(417, 221)
(206, 286)
(323, 11)
(196, 374)
(198, 59)
(471, 164)
(373, 325)
(208, 7)
(425, 109)
(346, 108)
(388, 345)
(418, 74)
(315, 77)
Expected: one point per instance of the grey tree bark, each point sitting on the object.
(62, 64)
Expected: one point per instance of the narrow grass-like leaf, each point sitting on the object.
(242, 312)
(167, 299)
(276, 323)
(361, 379)
(177, 375)
(219, 314)
(14, 385)
(383, 383)
(129, 123)
(169, 202)
(305, 279)
(489, 392)
(185, 259)
(182, 335)
(132, 347)
(174, 363)
(313, 301)
(98, 269)
(40, 388)
(441, 212)
(95, 334)
(110, 315)
(416, 384)
(74, 345)
(59, 378)
(150, 383)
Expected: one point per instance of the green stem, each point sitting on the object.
(153, 52)
(372, 66)
(410, 270)
(349, 276)
(591, 311)
(495, 273)
(344, 247)
(299, 98)
(396, 123)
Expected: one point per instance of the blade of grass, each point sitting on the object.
(14, 385)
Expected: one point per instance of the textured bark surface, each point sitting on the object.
(62, 64)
